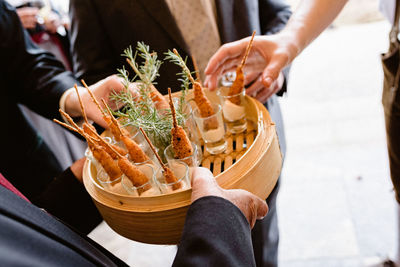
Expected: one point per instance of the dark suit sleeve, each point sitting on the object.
(41, 78)
(216, 233)
(66, 198)
(90, 44)
(274, 15)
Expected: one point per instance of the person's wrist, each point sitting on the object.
(77, 169)
(292, 43)
(71, 104)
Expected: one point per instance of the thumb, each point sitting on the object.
(262, 208)
(274, 67)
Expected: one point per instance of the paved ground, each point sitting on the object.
(336, 205)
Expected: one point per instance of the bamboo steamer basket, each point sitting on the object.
(252, 162)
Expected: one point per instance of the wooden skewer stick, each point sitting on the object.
(153, 148)
(172, 107)
(81, 104)
(93, 97)
(78, 130)
(69, 127)
(106, 145)
(247, 50)
(196, 69)
(168, 174)
(69, 119)
(114, 121)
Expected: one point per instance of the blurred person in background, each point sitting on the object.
(271, 54)
(102, 29)
(35, 78)
(47, 24)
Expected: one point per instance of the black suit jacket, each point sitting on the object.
(102, 29)
(33, 77)
(217, 236)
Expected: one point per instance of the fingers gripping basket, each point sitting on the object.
(252, 162)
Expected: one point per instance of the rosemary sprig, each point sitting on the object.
(140, 110)
(184, 76)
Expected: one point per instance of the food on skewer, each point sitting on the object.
(167, 172)
(180, 141)
(135, 151)
(92, 132)
(113, 168)
(106, 161)
(99, 153)
(238, 84)
(106, 117)
(132, 172)
(202, 102)
(200, 98)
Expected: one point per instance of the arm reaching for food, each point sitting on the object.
(270, 54)
(101, 90)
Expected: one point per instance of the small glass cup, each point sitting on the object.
(113, 186)
(148, 189)
(192, 161)
(181, 171)
(189, 123)
(212, 130)
(233, 109)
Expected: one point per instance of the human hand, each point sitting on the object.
(28, 16)
(51, 22)
(101, 90)
(268, 56)
(77, 169)
(259, 91)
(204, 184)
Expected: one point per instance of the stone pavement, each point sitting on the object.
(336, 204)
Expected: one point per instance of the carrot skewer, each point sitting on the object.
(137, 177)
(105, 160)
(238, 84)
(168, 174)
(102, 142)
(202, 102)
(200, 98)
(180, 141)
(134, 150)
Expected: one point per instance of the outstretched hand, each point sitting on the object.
(268, 56)
(101, 90)
(204, 184)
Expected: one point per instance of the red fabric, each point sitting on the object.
(60, 54)
(4, 182)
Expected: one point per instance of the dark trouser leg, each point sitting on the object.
(265, 234)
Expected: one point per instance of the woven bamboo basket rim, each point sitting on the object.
(185, 201)
(159, 219)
